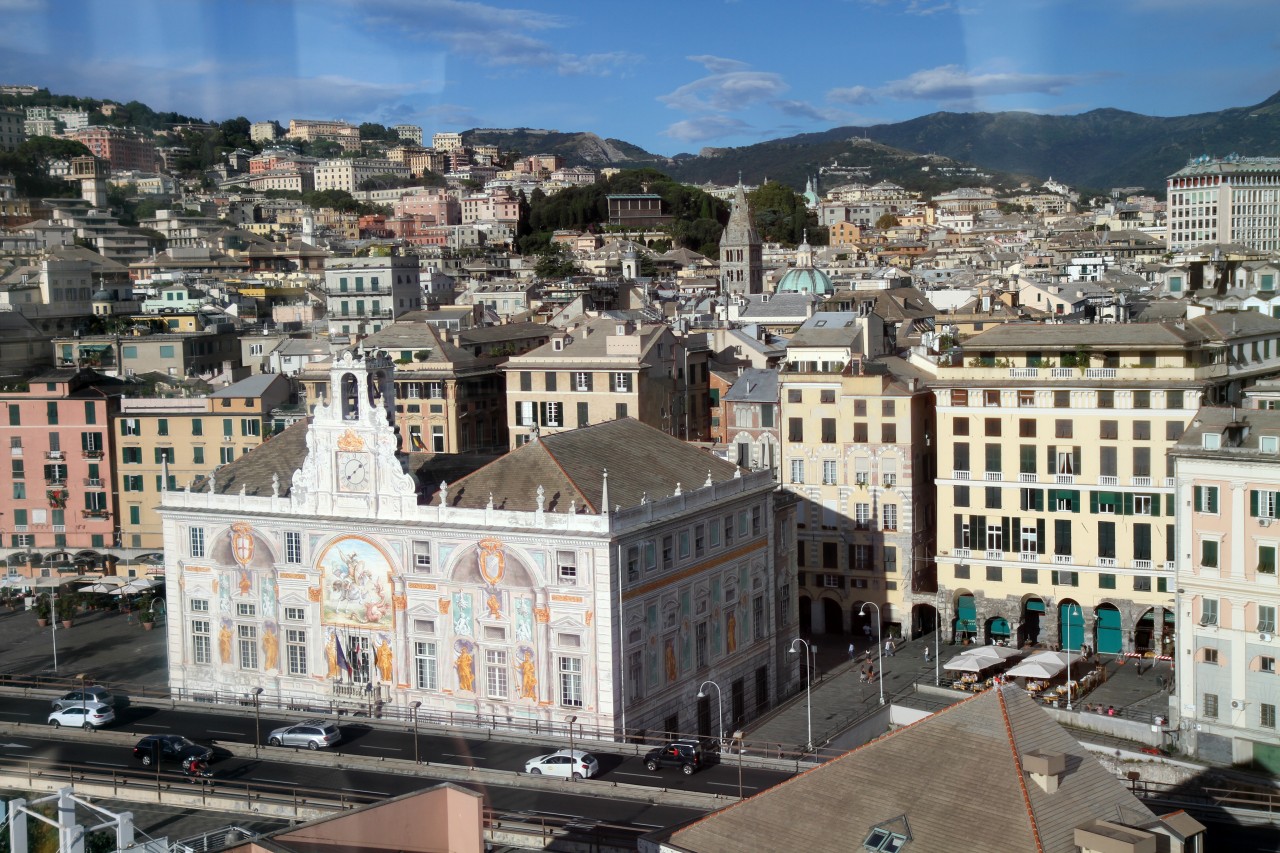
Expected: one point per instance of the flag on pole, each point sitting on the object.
(342, 658)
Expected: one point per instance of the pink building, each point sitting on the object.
(57, 496)
(433, 205)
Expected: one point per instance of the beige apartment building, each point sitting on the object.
(1227, 467)
(855, 448)
(1056, 494)
(166, 444)
(601, 369)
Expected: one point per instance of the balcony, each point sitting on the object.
(1062, 559)
(1064, 479)
(1062, 372)
(963, 552)
(16, 451)
(93, 482)
(993, 476)
(1142, 565)
(97, 513)
(54, 454)
(1169, 482)
(1024, 372)
(1107, 562)
(1169, 566)
(1029, 557)
(91, 454)
(1108, 481)
(1028, 478)
(959, 475)
(1101, 372)
(1141, 481)
(994, 554)
(55, 481)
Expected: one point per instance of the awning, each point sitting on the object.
(1035, 606)
(1000, 627)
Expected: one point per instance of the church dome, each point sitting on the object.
(805, 280)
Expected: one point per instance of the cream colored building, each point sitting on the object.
(854, 434)
(1228, 480)
(1056, 498)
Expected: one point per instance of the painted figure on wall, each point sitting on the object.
(524, 620)
(465, 666)
(356, 590)
(224, 642)
(331, 655)
(462, 614)
(270, 647)
(382, 659)
(528, 676)
(731, 632)
(669, 656)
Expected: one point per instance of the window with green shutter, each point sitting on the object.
(1267, 559)
(51, 412)
(228, 428)
(1106, 581)
(1209, 553)
(90, 412)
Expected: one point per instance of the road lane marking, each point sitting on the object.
(150, 726)
(16, 745)
(362, 791)
(106, 764)
(385, 748)
(730, 785)
(472, 757)
(220, 732)
(278, 781)
(637, 775)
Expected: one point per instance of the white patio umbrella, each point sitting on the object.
(979, 658)
(107, 584)
(50, 582)
(1036, 669)
(137, 585)
(965, 662)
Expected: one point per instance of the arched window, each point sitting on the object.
(350, 397)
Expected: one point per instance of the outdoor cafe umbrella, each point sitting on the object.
(980, 658)
(107, 584)
(1043, 669)
(137, 585)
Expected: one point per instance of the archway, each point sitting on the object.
(832, 617)
(1110, 638)
(806, 616)
(1144, 632)
(924, 620)
(966, 621)
(1032, 613)
(1070, 625)
(997, 630)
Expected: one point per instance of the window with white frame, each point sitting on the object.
(1029, 539)
(622, 382)
(198, 605)
(582, 382)
(425, 665)
(567, 567)
(828, 472)
(246, 610)
(797, 471)
(1142, 504)
(552, 413)
(196, 541)
(292, 546)
(995, 537)
(496, 673)
(1208, 611)
(201, 642)
(1267, 715)
(435, 390)
(248, 636)
(1206, 498)
(862, 515)
(889, 512)
(421, 556)
(571, 682)
(1266, 618)
(295, 650)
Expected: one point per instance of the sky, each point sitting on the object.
(668, 76)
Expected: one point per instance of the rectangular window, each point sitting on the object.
(496, 673)
(795, 429)
(1030, 577)
(201, 642)
(195, 540)
(890, 514)
(567, 567)
(1106, 581)
(425, 666)
(295, 650)
(1266, 715)
(571, 682)
(828, 430)
(1209, 553)
(1266, 618)
(1206, 499)
(421, 556)
(960, 496)
(51, 412)
(1266, 559)
(1210, 703)
(292, 546)
(797, 471)
(248, 636)
(828, 472)
(197, 455)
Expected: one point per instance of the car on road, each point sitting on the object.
(685, 754)
(90, 715)
(173, 748)
(576, 764)
(313, 734)
(79, 697)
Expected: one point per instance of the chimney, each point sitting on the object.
(1045, 768)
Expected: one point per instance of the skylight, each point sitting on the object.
(883, 841)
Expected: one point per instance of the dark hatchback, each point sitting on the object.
(687, 755)
(172, 748)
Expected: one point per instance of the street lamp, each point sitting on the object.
(808, 686)
(1068, 645)
(257, 727)
(879, 644)
(937, 639)
(573, 760)
(719, 703)
(81, 677)
(737, 738)
(414, 706)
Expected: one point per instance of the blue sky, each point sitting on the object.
(668, 76)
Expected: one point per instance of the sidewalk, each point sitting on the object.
(103, 645)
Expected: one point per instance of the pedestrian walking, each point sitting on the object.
(862, 676)
(853, 653)
(926, 654)
(866, 630)
(888, 648)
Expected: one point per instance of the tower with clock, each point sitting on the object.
(351, 462)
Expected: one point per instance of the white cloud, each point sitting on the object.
(855, 95)
(702, 128)
(953, 83)
(730, 86)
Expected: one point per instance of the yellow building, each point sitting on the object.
(1056, 499)
(855, 430)
(166, 444)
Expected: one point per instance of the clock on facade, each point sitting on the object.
(353, 471)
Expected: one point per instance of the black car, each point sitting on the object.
(172, 748)
(685, 754)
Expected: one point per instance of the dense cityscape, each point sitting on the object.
(390, 422)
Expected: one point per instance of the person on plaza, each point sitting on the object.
(863, 675)
(866, 630)
(853, 653)
(926, 654)
(1111, 710)
(888, 648)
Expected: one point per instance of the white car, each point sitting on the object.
(90, 715)
(578, 764)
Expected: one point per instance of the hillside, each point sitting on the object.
(577, 149)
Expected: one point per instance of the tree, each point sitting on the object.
(887, 220)
(779, 213)
(555, 261)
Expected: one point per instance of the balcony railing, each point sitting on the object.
(97, 513)
(1024, 372)
(1108, 481)
(963, 552)
(55, 481)
(1064, 479)
(1100, 373)
(1168, 567)
(1061, 372)
(1030, 557)
(1107, 562)
(993, 554)
(1142, 481)
(1144, 565)
(1169, 482)
(53, 454)
(91, 454)
(959, 475)
(93, 482)
(1062, 559)
(1028, 478)
(995, 476)
(15, 451)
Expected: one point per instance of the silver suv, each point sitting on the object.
(313, 734)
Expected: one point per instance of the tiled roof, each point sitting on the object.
(955, 780)
(754, 386)
(642, 462)
(282, 454)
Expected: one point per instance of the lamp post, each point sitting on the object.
(937, 638)
(879, 644)
(257, 719)
(719, 704)
(53, 621)
(808, 686)
(81, 677)
(414, 706)
(573, 759)
(1068, 645)
(737, 738)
